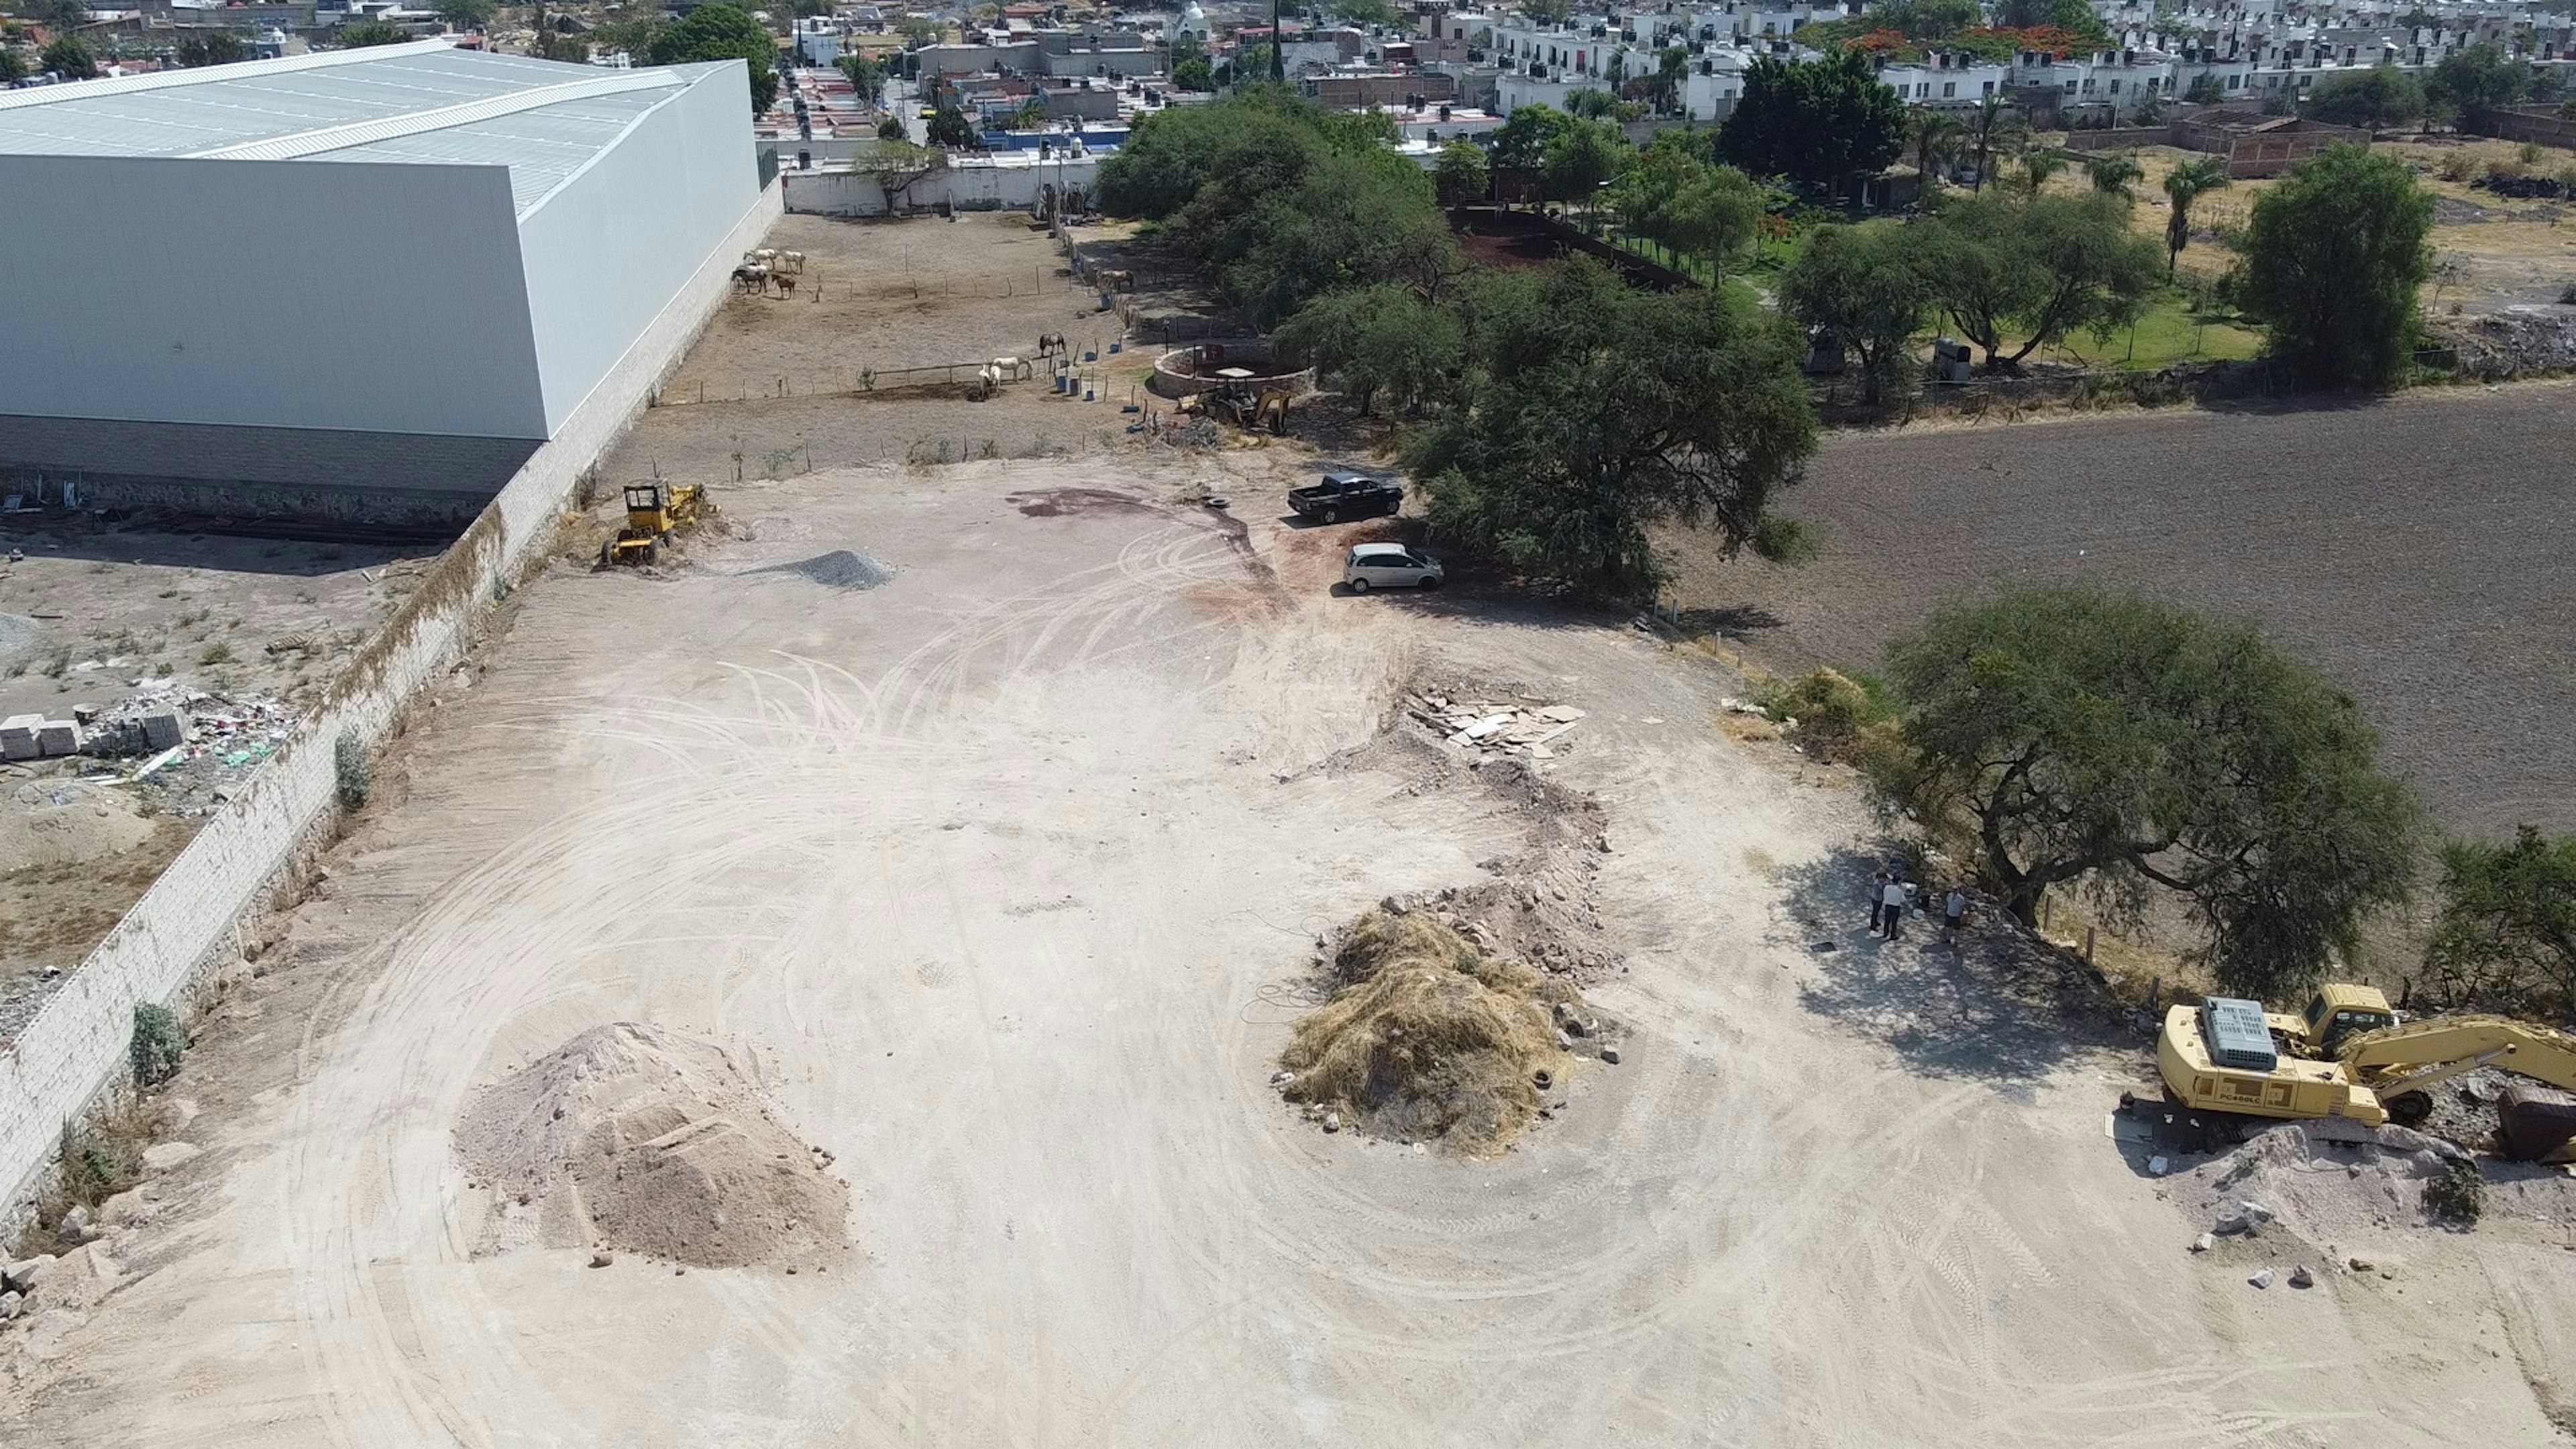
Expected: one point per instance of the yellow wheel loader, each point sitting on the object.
(653, 510)
(2229, 1066)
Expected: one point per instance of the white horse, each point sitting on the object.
(792, 263)
(1013, 368)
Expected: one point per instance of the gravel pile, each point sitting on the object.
(839, 569)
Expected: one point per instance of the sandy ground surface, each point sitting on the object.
(781, 377)
(1005, 875)
(2413, 549)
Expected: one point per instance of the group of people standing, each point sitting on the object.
(1891, 896)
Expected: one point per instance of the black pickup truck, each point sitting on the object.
(1347, 495)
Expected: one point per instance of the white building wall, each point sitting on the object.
(606, 251)
(355, 295)
(184, 927)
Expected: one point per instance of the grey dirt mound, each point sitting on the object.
(839, 569)
(655, 1142)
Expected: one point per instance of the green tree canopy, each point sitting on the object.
(867, 73)
(2480, 78)
(2184, 185)
(1381, 340)
(365, 33)
(950, 127)
(2114, 175)
(465, 14)
(1592, 104)
(2206, 89)
(70, 57)
(2376, 99)
(1583, 158)
(1674, 197)
(1863, 286)
(2506, 938)
(1281, 201)
(1927, 19)
(722, 32)
(13, 66)
(1815, 122)
(2039, 268)
(1520, 143)
(891, 129)
(1193, 73)
(214, 47)
(1595, 412)
(2333, 259)
(1461, 177)
(2068, 736)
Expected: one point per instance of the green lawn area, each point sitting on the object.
(2169, 331)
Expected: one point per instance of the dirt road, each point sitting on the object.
(1007, 872)
(2414, 549)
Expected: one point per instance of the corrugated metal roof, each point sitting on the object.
(421, 103)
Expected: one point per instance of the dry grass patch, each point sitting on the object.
(1430, 1038)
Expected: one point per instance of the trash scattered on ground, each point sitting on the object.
(1496, 727)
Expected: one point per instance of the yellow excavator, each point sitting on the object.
(2229, 1065)
(653, 510)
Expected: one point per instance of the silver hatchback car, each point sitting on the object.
(1389, 566)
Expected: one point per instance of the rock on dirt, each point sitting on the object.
(2321, 1180)
(651, 1141)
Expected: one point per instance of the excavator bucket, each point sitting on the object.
(2534, 1128)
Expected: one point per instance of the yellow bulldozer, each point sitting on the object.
(2230, 1066)
(1238, 402)
(653, 511)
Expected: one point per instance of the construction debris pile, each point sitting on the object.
(1427, 1038)
(1492, 727)
(642, 1139)
(164, 718)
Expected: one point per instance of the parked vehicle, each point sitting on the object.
(1347, 495)
(1389, 566)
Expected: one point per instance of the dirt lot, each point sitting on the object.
(2491, 253)
(97, 614)
(2412, 549)
(1005, 876)
(782, 377)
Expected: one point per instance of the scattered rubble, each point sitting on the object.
(1493, 727)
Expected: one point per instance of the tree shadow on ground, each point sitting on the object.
(1730, 620)
(2002, 1008)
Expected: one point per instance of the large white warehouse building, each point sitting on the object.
(359, 283)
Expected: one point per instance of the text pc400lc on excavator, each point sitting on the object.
(2230, 1066)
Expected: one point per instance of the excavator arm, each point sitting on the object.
(2399, 1061)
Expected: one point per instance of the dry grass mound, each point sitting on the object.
(653, 1142)
(1428, 1037)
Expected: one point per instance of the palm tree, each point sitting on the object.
(2037, 167)
(2114, 175)
(1936, 139)
(1996, 127)
(2183, 185)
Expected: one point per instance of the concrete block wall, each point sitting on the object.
(72, 1056)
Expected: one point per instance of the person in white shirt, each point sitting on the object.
(1954, 910)
(1893, 899)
